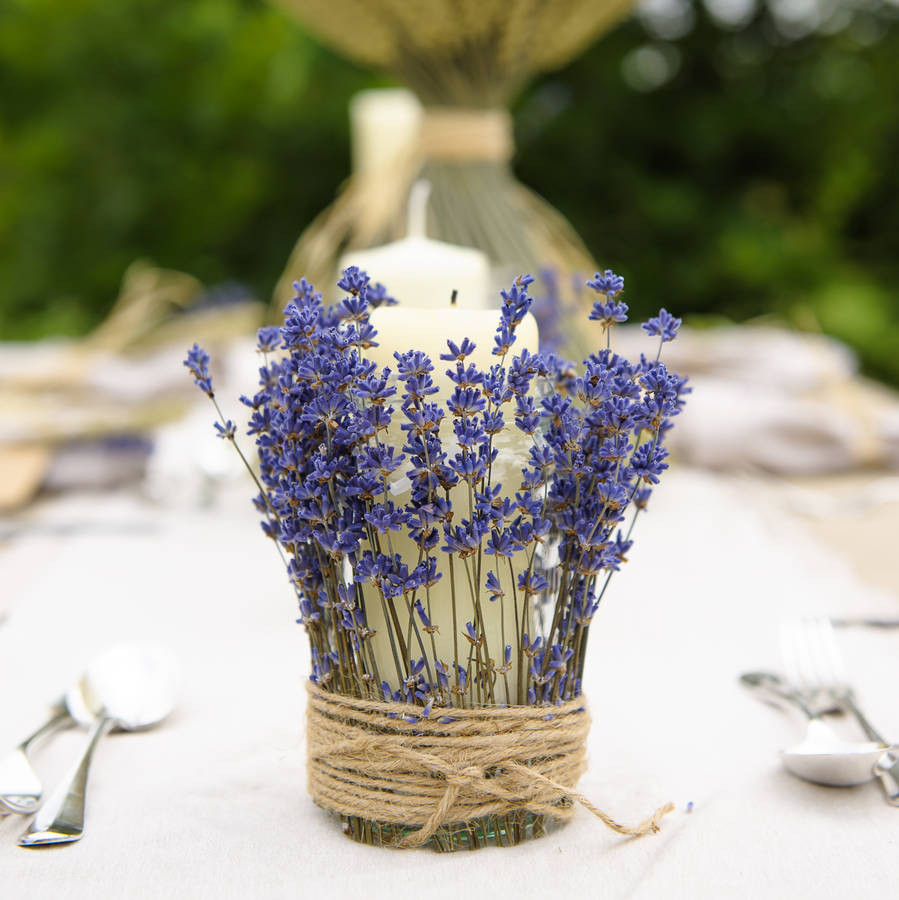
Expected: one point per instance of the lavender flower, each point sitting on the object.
(607, 283)
(356, 462)
(198, 363)
(608, 313)
(226, 431)
(663, 325)
(268, 338)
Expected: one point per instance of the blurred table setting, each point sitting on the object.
(211, 803)
(160, 732)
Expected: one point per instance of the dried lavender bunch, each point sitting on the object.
(356, 462)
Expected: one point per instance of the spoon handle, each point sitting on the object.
(61, 819)
(20, 787)
(887, 768)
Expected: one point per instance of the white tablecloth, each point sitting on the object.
(212, 803)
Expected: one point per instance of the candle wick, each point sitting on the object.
(417, 211)
(453, 297)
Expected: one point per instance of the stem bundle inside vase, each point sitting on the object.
(451, 524)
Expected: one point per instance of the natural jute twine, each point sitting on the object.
(364, 759)
(457, 135)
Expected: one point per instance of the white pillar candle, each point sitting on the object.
(402, 328)
(427, 330)
(420, 272)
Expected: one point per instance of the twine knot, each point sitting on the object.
(366, 759)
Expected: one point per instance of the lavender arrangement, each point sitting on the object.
(451, 533)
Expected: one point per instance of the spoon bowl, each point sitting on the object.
(135, 685)
(822, 756)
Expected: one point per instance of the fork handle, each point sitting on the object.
(20, 787)
(872, 733)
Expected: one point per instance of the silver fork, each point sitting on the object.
(813, 662)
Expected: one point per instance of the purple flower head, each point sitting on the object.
(607, 283)
(494, 588)
(466, 402)
(641, 498)
(469, 432)
(198, 363)
(267, 338)
(457, 352)
(412, 364)
(354, 281)
(465, 376)
(648, 462)
(501, 543)
(385, 517)
(226, 431)
(549, 312)
(471, 635)
(532, 582)
(516, 304)
(377, 296)
(664, 325)
(609, 313)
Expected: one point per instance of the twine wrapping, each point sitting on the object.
(454, 134)
(364, 759)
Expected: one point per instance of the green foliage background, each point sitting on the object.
(751, 174)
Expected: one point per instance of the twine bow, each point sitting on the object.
(365, 759)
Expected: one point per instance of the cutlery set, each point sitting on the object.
(817, 686)
(130, 687)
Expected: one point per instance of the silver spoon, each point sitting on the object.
(822, 756)
(20, 786)
(131, 687)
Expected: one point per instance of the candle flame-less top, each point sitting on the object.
(420, 272)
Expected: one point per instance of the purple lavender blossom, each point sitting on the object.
(198, 363)
(607, 283)
(350, 455)
(606, 310)
(226, 431)
(608, 313)
(549, 312)
(663, 325)
(268, 338)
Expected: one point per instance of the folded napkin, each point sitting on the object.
(772, 399)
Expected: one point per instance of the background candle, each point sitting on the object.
(384, 126)
(427, 330)
(421, 272)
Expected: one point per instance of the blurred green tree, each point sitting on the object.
(203, 134)
(734, 169)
